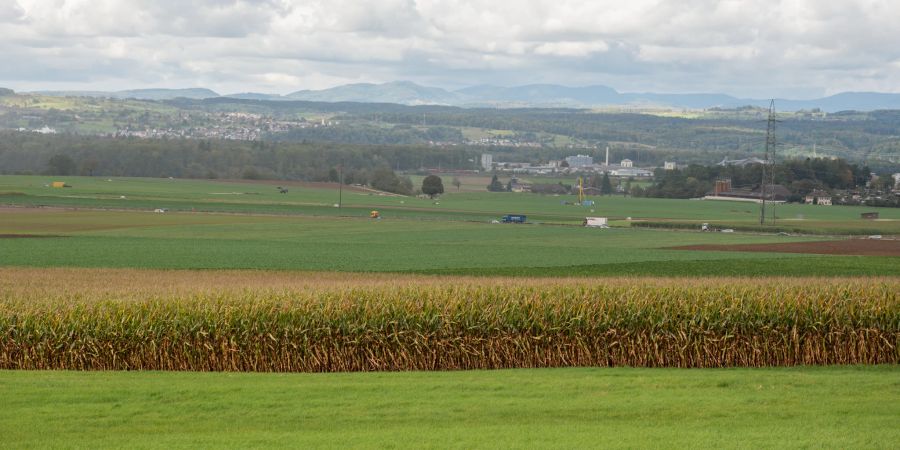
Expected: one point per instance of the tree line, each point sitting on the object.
(799, 176)
(31, 153)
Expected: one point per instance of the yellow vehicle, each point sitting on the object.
(374, 215)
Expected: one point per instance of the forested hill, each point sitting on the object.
(648, 137)
(34, 153)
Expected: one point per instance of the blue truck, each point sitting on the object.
(513, 218)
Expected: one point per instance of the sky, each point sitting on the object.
(790, 49)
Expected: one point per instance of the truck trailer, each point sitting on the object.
(599, 222)
(513, 218)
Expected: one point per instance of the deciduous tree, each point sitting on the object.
(432, 185)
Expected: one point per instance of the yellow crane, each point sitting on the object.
(580, 190)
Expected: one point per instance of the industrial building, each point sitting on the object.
(580, 160)
(487, 162)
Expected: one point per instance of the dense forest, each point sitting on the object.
(367, 134)
(799, 176)
(29, 153)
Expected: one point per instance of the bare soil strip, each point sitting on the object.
(6, 209)
(304, 184)
(28, 236)
(862, 247)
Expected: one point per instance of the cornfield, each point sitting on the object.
(87, 319)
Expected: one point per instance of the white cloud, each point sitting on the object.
(735, 46)
(10, 11)
(571, 49)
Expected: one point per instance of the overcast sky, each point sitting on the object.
(791, 48)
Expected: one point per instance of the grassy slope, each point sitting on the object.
(95, 115)
(761, 408)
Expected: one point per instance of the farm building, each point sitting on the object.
(549, 188)
(818, 197)
(631, 172)
(590, 190)
(869, 215)
(740, 162)
(774, 193)
(516, 186)
(722, 186)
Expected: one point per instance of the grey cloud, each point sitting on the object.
(734, 46)
(11, 11)
(122, 18)
(216, 18)
(69, 69)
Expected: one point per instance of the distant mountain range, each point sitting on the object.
(534, 95)
(140, 94)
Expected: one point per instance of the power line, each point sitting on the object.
(770, 151)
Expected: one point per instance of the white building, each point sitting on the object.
(818, 197)
(670, 165)
(896, 177)
(627, 163)
(487, 161)
(740, 162)
(631, 172)
(579, 160)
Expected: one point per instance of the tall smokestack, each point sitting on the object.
(607, 156)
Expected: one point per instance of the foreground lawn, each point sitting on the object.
(839, 407)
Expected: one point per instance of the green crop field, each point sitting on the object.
(92, 278)
(233, 241)
(257, 197)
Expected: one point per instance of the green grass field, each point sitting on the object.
(836, 407)
(240, 197)
(230, 241)
(302, 230)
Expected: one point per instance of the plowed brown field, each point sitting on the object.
(867, 247)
